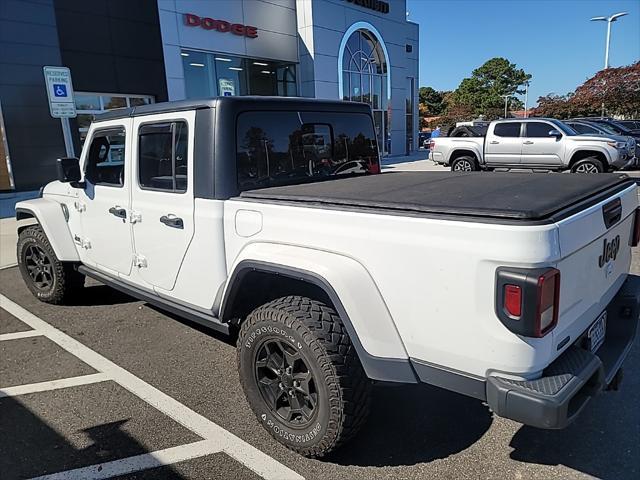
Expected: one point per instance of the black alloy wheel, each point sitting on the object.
(49, 279)
(286, 382)
(39, 267)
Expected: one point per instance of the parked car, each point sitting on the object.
(613, 125)
(585, 127)
(423, 139)
(524, 303)
(532, 143)
(630, 124)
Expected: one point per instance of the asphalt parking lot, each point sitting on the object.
(113, 387)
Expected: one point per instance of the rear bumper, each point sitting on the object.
(556, 399)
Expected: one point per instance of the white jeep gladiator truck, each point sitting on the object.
(269, 219)
(533, 143)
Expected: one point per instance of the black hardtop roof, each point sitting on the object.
(236, 103)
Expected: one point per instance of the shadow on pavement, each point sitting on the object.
(97, 295)
(29, 447)
(603, 442)
(415, 424)
(228, 339)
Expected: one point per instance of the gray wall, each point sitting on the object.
(275, 20)
(322, 24)
(29, 40)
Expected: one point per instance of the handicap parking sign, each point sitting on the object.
(59, 90)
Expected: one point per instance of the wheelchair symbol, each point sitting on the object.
(59, 90)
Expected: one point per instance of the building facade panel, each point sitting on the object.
(27, 44)
(124, 53)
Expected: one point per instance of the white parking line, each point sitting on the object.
(53, 385)
(138, 462)
(249, 456)
(17, 335)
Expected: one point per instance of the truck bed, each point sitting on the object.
(528, 197)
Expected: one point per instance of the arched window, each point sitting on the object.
(364, 70)
(364, 76)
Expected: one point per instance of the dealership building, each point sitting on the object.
(126, 52)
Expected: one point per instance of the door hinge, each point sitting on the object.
(86, 244)
(139, 261)
(135, 217)
(79, 206)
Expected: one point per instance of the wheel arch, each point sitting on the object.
(276, 279)
(51, 217)
(463, 152)
(582, 154)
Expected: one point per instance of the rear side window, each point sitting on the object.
(539, 129)
(105, 160)
(510, 129)
(162, 156)
(283, 148)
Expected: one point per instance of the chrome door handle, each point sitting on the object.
(171, 221)
(118, 212)
(527, 143)
(494, 142)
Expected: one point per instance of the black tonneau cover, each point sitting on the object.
(509, 196)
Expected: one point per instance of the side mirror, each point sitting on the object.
(68, 170)
(555, 133)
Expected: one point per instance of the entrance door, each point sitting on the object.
(162, 196)
(504, 147)
(104, 202)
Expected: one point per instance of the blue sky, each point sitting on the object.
(553, 40)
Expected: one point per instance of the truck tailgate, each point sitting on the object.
(595, 259)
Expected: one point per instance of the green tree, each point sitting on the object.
(483, 92)
(431, 100)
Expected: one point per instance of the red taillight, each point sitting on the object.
(513, 300)
(548, 301)
(635, 238)
(432, 144)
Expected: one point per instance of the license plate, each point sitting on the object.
(596, 332)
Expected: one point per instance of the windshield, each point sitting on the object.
(564, 128)
(606, 128)
(620, 129)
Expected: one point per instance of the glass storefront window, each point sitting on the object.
(217, 74)
(409, 102)
(356, 90)
(198, 72)
(232, 76)
(89, 104)
(110, 102)
(287, 81)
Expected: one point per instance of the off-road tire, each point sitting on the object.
(588, 165)
(65, 280)
(314, 330)
(465, 164)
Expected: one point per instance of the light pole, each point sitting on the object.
(609, 21)
(526, 98)
(506, 102)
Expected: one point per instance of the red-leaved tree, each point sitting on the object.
(617, 89)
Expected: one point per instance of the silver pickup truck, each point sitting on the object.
(535, 143)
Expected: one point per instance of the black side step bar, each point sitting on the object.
(192, 314)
